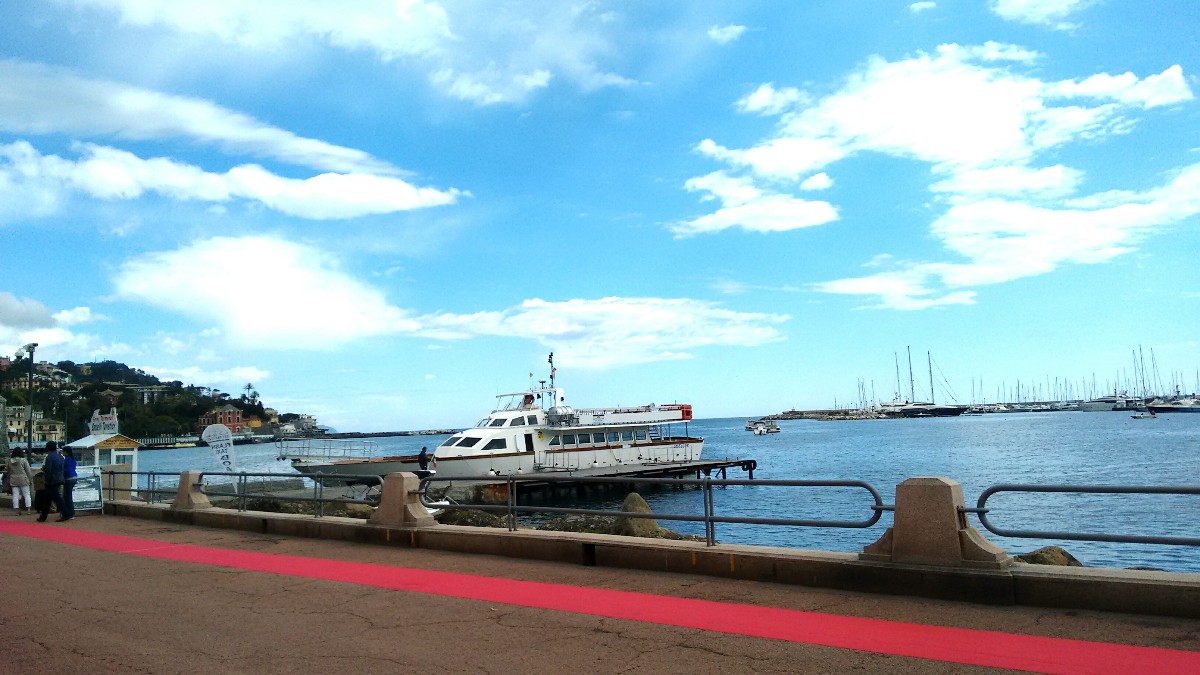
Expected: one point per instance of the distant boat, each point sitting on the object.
(1144, 416)
(761, 427)
(919, 409)
(1117, 401)
(1179, 405)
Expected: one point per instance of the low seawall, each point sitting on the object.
(917, 556)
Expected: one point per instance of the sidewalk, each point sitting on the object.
(106, 593)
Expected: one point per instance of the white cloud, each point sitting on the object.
(619, 331)
(1165, 88)
(108, 173)
(746, 206)
(23, 314)
(820, 181)
(1003, 240)
(1039, 12)
(723, 35)
(332, 307)
(980, 118)
(918, 7)
(767, 100)
(329, 306)
(230, 378)
(1013, 180)
(498, 54)
(36, 99)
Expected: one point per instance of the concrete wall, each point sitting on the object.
(929, 552)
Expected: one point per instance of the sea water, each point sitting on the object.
(1072, 448)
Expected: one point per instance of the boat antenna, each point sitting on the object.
(552, 370)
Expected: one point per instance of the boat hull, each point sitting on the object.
(610, 460)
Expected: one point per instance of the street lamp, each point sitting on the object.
(29, 423)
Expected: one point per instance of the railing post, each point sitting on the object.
(188, 496)
(931, 529)
(400, 503)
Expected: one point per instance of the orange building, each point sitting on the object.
(227, 415)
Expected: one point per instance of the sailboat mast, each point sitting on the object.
(929, 358)
(896, 358)
(912, 387)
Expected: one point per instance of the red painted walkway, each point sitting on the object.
(952, 645)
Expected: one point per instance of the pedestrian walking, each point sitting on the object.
(423, 459)
(52, 472)
(20, 478)
(70, 478)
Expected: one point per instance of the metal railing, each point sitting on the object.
(706, 485)
(155, 488)
(982, 511)
(243, 493)
(244, 488)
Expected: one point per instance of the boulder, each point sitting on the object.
(644, 527)
(588, 524)
(471, 517)
(1050, 555)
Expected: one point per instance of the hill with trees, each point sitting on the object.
(146, 406)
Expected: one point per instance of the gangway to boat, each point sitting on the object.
(323, 449)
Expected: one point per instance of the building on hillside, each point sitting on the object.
(227, 415)
(15, 418)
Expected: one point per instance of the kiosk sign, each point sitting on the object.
(220, 439)
(103, 424)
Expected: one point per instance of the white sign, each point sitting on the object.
(220, 439)
(103, 424)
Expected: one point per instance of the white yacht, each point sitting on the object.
(536, 431)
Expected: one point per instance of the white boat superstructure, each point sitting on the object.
(535, 431)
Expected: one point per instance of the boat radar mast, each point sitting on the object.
(552, 369)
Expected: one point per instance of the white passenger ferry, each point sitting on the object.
(536, 431)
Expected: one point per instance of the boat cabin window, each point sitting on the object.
(640, 434)
(612, 437)
(450, 441)
(627, 435)
(468, 442)
(568, 439)
(483, 422)
(516, 422)
(597, 438)
(497, 423)
(555, 439)
(531, 420)
(495, 444)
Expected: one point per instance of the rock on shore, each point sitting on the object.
(1050, 555)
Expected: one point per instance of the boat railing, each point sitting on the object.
(330, 449)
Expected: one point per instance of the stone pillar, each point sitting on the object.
(400, 504)
(189, 497)
(930, 530)
(116, 487)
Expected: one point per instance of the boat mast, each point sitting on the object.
(912, 388)
(896, 358)
(929, 357)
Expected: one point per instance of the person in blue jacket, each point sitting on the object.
(70, 478)
(52, 473)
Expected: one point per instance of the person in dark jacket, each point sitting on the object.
(52, 471)
(423, 459)
(70, 478)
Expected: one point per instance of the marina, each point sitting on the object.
(977, 451)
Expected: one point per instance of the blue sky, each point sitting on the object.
(385, 213)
